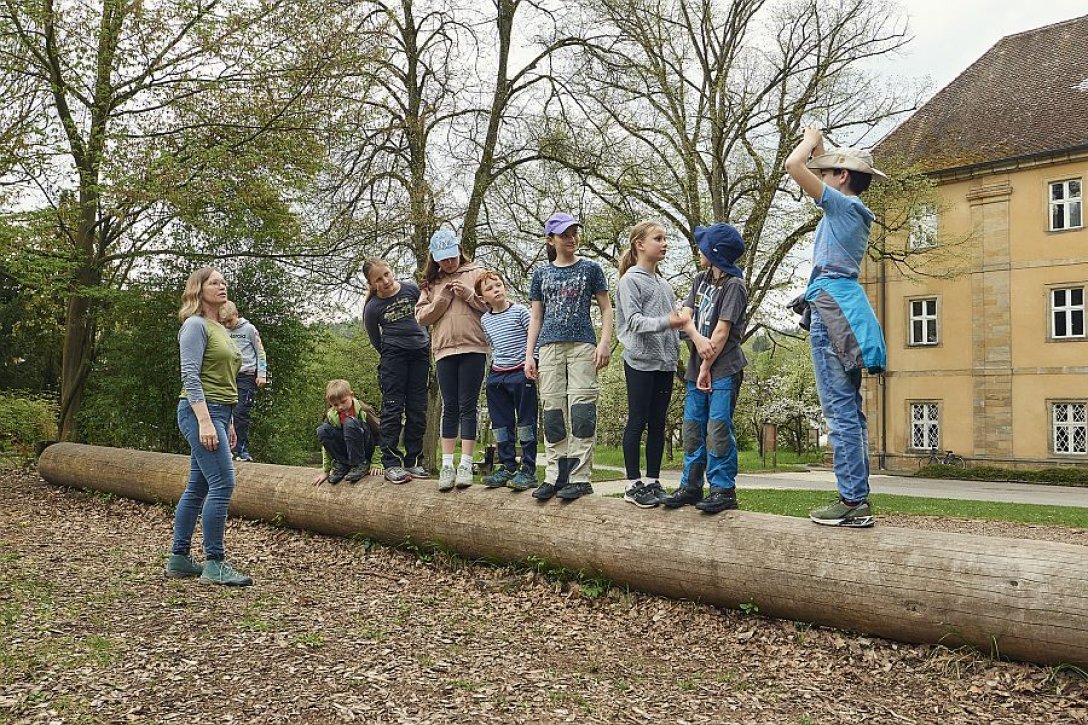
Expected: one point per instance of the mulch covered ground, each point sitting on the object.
(334, 630)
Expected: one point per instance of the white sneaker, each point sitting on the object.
(445, 478)
(464, 475)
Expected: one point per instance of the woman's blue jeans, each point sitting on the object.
(710, 445)
(840, 399)
(211, 483)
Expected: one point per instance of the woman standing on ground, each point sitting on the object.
(209, 372)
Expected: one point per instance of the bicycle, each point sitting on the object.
(948, 459)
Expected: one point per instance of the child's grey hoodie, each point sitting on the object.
(643, 304)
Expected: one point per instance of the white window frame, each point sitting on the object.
(1062, 421)
(923, 228)
(1065, 205)
(1069, 311)
(930, 424)
(925, 318)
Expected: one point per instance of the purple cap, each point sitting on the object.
(559, 222)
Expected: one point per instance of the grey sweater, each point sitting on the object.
(643, 304)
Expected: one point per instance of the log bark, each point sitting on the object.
(1020, 599)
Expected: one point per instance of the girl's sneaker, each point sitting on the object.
(641, 495)
(464, 475)
(446, 478)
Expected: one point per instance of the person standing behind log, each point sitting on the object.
(561, 293)
(209, 376)
(404, 366)
(718, 302)
(450, 306)
(646, 324)
(844, 333)
(253, 375)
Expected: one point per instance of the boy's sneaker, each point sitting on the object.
(356, 473)
(446, 478)
(418, 472)
(545, 491)
(522, 481)
(397, 475)
(499, 478)
(336, 475)
(839, 513)
(220, 572)
(243, 456)
(640, 495)
(720, 499)
(181, 566)
(683, 496)
(574, 490)
(464, 475)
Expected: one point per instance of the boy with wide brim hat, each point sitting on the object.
(844, 334)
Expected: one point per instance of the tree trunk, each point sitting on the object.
(1021, 599)
(434, 419)
(77, 353)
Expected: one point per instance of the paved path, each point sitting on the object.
(824, 480)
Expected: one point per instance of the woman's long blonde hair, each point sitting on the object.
(190, 298)
(638, 232)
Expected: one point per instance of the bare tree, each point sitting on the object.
(687, 110)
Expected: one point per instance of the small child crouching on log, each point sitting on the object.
(348, 436)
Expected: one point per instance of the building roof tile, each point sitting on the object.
(1026, 96)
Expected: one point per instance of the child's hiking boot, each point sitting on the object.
(499, 478)
(181, 566)
(418, 472)
(446, 478)
(356, 473)
(573, 491)
(683, 496)
(522, 481)
(720, 499)
(397, 475)
(640, 495)
(545, 491)
(840, 513)
(220, 572)
(336, 475)
(464, 475)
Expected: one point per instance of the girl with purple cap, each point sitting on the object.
(717, 303)
(570, 356)
(450, 306)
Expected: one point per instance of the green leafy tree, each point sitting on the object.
(139, 130)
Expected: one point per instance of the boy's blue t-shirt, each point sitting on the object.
(841, 236)
(567, 293)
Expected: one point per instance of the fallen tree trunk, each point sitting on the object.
(1020, 599)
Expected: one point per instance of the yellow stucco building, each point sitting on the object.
(991, 362)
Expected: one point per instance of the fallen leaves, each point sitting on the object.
(335, 631)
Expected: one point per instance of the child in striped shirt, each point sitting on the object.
(511, 397)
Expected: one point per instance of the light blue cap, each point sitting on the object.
(444, 245)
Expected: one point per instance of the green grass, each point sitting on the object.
(798, 503)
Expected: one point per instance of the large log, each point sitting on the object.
(1021, 599)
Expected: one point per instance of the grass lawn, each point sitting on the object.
(798, 503)
(748, 461)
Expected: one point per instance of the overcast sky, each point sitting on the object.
(950, 35)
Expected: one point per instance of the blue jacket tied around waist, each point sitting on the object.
(855, 333)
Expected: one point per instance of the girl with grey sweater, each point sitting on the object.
(647, 323)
